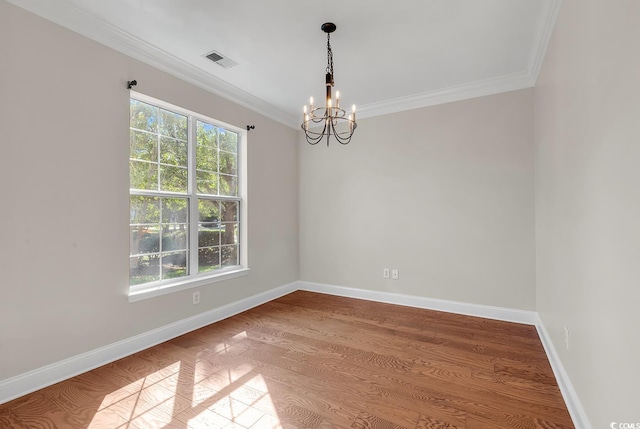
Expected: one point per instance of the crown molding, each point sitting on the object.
(543, 36)
(63, 13)
(447, 95)
(86, 24)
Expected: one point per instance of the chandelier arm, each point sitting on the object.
(342, 138)
(314, 137)
(313, 140)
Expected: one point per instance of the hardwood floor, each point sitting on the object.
(309, 360)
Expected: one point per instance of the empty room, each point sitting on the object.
(356, 214)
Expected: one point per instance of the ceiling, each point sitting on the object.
(388, 56)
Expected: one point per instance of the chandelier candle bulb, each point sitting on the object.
(304, 117)
(337, 99)
(311, 104)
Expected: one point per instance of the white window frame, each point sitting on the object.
(195, 279)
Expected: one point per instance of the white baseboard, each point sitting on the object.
(42, 377)
(485, 311)
(45, 376)
(578, 415)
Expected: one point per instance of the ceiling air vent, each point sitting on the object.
(221, 60)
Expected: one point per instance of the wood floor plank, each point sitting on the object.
(438, 415)
(368, 421)
(309, 360)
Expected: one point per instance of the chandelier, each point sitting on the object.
(318, 122)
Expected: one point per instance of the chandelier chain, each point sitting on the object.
(329, 57)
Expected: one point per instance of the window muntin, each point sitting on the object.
(184, 174)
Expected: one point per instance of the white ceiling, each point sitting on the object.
(388, 56)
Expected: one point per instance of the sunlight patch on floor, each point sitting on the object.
(207, 391)
(134, 400)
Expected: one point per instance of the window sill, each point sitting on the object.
(165, 289)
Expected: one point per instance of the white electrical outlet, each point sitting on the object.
(395, 274)
(385, 273)
(566, 337)
(196, 298)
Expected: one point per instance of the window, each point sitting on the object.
(185, 195)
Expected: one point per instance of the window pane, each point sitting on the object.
(143, 116)
(144, 240)
(173, 179)
(207, 159)
(175, 229)
(228, 185)
(208, 234)
(174, 265)
(208, 259)
(173, 152)
(173, 125)
(174, 239)
(175, 210)
(144, 269)
(143, 146)
(228, 163)
(143, 175)
(229, 233)
(228, 141)
(229, 211)
(144, 210)
(206, 135)
(208, 210)
(207, 182)
(229, 256)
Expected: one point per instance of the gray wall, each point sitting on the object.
(64, 143)
(587, 133)
(444, 194)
